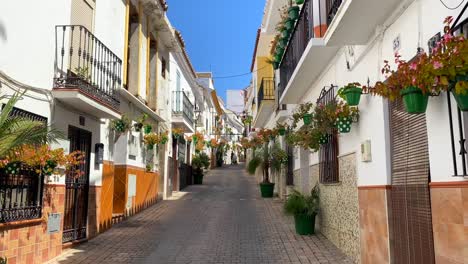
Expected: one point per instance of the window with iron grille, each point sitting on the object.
(21, 188)
(328, 154)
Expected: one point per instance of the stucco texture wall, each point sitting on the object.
(338, 218)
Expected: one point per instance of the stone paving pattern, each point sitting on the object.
(223, 221)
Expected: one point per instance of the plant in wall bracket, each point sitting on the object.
(148, 128)
(140, 122)
(345, 116)
(281, 128)
(303, 112)
(163, 137)
(151, 139)
(177, 132)
(351, 93)
(121, 125)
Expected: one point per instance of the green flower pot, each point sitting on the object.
(278, 57)
(462, 99)
(289, 24)
(150, 147)
(293, 12)
(352, 95)
(414, 100)
(323, 139)
(307, 119)
(282, 131)
(148, 129)
(299, 2)
(344, 124)
(275, 65)
(198, 178)
(305, 224)
(164, 141)
(266, 189)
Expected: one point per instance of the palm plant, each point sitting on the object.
(269, 159)
(18, 131)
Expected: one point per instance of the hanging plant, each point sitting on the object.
(177, 132)
(139, 123)
(163, 137)
(303, 112)
(121, 125)
(351, 93)
(151, 139)
(293, 12)
(345, 116)
(148, 128)
(281, 128)
(323, 139)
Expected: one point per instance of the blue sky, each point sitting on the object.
(220, 34)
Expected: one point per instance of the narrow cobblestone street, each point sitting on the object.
(222, 221)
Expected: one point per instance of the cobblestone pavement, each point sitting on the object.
(222, 221)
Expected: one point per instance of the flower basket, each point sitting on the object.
(138, 126)
(352, 95)
(307, 119)
(266, 189)
(323, 139)
(462, 99)
(414, 100)
(293, 12)
(289, 24)
(148, 128)
(305, 224)
(344, 124)
(282, 131)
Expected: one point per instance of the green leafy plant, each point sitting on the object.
(300, 112)
(18, 131)
(139, 123)
(149, 167)
(83, 73)
(298, 203)
(201, 160)
(148, 128)
(267, 157)
(121, 125)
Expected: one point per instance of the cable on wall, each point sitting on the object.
(451, 8)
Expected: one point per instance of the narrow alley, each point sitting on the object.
(222, 221)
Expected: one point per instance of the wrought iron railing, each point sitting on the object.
(20, 194)
(267, 90)
(83, 62)
(310, 25)
(181, 105)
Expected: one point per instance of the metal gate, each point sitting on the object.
(76, 194)
(410, 216)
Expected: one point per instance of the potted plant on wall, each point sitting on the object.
(351, 93)
(140, 122)
(148, 128)
(177, 132)
(150, 140)
(163, 137)
(121, 126)
(303, 112)
(265, 158)
(199, 161)
(345, 116)
(304, 208)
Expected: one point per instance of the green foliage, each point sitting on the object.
(342, 90)
(83, 73)
(201, 160)
(18, 131)
(121, 125)
(297, 203)
(279, 158)
(300, 112)
(254, 163)
(3, 260)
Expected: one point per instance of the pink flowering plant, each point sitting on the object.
(450, 60)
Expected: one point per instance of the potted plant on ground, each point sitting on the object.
(304, 208)
(351, 93)
(140, 122)
(199, 161)
(265, 158)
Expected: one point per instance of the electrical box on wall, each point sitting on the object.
(366, 154)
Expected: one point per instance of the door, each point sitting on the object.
(76, 189)
(410, 214)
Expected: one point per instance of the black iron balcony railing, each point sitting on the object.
(83, 62)
(310, 25)
(267, 90)
(181, 105)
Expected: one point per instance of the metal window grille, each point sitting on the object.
(21, 192)
(328, 154)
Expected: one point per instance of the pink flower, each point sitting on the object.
(414, 80)
(437, 65)
(413, 66)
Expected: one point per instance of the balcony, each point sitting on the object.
(182, 112)
(306, 52)
(266, 102)
(352, 22)
(87, 73)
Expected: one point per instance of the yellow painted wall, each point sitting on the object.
(264, 70)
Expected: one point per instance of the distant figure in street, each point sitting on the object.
(234, 158)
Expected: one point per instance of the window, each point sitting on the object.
(163, 68)
(21, 192)
(328, 154)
